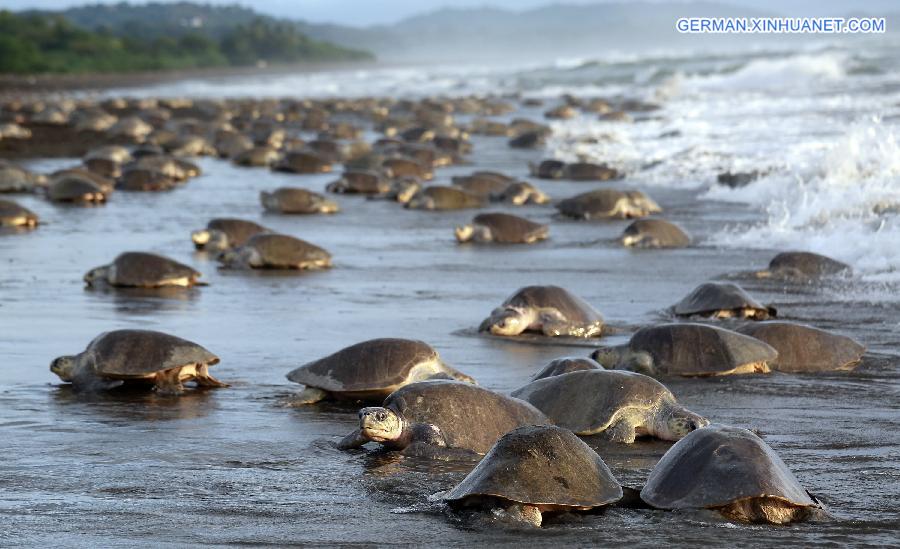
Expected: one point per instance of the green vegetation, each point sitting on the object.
(47, 43)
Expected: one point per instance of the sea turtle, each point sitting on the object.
(501, 228)
(439, 197)
(276, 251)
(732, 471)
(395, 168)
(231, 144)
(550, 310)
(225, 233)
(15, 179)
(130, 127)
(804, 348)
(14, 215)
(138, 356)
(722, 300)
(106, 184)
(561, 112)
(258, 156)
(655, 233)
(302, 162)
(608, 203)
(622, 405)
(688, 349)
(533, 470)
(804, 266)
(529, 139)
(565, 365)
(178, 169)
(145, 180)
(371, 370)
(142, 270)
(521, 192)
(548, 169)
(443, 413)
(359, 182)
(75, 190)
(294, 200)
(588, 171)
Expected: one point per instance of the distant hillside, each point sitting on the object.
(540, 33)
(36, 43)
(154, 19)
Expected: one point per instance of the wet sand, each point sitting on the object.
(234, 466)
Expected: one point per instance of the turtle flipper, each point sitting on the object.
(623, 431)
(168, 382)
(352, 441)
(521, 513)
(309, 395)
(204, 379)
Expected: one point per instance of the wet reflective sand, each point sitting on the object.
(234, 466)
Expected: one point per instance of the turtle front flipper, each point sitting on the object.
(168, 382)
(204, 379)
(624, 430)
(352, 441)
(309, 395)
(520, 513)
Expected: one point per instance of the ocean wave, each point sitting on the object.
(796, 71)
(841, 199)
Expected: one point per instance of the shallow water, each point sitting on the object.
(235, 466)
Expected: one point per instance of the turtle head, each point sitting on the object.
(269, 201)
(239, 257)
(95, 276)
(405, 189)
(380, 424)
(678, 423)
(420, 202)
(464, 233)
(210, 239)
(328, 206)
(505, 321)
(64, 367)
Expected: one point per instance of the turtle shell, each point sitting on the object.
(481, 186)
(803, 348)
(690, 349)
(599, 203)
(572, 307)
(295, 200)
(808, 264)
(716, 296)
(506, 228)
(237, 230)
(451, 198)
(145, 270)
(361, 182)
(717, 465)
(379, 365)
(565, 365)
(71, 189)
(278, 250)
(468, 416)
(141, 352)
(587, 401)
(541, 465)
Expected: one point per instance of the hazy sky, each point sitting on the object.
(367, 12)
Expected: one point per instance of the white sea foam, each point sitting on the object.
(803, 71)
(841, 199)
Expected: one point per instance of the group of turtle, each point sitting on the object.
(534, 463)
